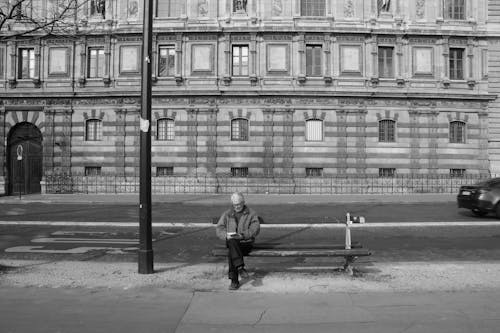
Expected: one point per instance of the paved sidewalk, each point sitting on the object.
(211, 199)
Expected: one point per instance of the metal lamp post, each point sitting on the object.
(145, 255)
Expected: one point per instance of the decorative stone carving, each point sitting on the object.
(420, 9)
(348, 8)
(384, 6)
(132, 9)
(277, 8)
(202, 8)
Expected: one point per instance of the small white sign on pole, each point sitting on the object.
(19, 152)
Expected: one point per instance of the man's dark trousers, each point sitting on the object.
(236, 250)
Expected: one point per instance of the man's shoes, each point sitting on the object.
(243, 272)
(234, 285)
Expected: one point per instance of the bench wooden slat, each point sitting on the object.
(301, 253)
(270, 246)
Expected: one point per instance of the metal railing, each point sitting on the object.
(352, 184)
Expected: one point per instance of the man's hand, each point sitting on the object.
(234, 236)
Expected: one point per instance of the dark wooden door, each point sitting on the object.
(25, 174)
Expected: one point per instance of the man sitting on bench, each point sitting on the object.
(238, 226)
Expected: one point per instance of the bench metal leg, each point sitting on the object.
(348, 269)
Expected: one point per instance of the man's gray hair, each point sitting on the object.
(237, 197)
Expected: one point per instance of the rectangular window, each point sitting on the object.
(456, 64)
(97, 8)
(165, 130)
(314, 130)
(386, 130)
(313, 60)
(164, 171)
(312, 7)
(239, 172)
(239, 129)
(96, 62)
(93, 130)
(457, 173)
(386, 172)
(26, 63)
(23, 10)
(240, 60)
(314, 172)
(166, 61)
(92, 171)
(457, 132)
(455, 9)
(169, 8)
(385, 63)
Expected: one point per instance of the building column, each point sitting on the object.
(268, 155)
(65, 142)
(483, 140)
(3, 150)
(361, 141)
(48, 141)
(120, 141)
(341, 142)
(433, 141)
(212, 142)
(414, 141)
(192, 142)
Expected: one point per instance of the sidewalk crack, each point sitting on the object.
(260, 317)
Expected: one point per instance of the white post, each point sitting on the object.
(348, 232)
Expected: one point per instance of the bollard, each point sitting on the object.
(348, 232)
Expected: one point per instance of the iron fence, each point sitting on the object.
(352, 184)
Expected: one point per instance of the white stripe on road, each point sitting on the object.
(76, 250)
(86, 240)
(267, 225)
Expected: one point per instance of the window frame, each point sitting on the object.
(311, 60)
(168, 133)
(453, 66)
(169, 48)
(383, 65)
(386, 172)
(308, 135)
(172, 11)
(241, 172)
(312, 8)
(166, 171)
(97, 8)
(89, 170)
(314, 172)
(458, 134)
(450, 10)
(384, 130)
(96, 132)
(240, 66)
(2, 62)
(457, 172)
(98, 74)
(243, 132)
(31, 63)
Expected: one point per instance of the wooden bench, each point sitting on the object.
(350, 251)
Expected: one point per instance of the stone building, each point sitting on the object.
(257, 88)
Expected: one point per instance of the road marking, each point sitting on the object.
(74, 233)
(76, 250)
(85, 240)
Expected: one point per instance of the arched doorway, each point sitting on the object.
(24, 174)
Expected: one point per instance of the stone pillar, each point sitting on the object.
(192, 142)
(48, 141)
(288, 142)
(361, 142)
(3, 150)
(414, 141)
(268, 155)
(212, 141)
(341, 142)
(433, 141)
(65, 141)
(483, 139)
(120, 141)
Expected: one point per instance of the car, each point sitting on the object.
(481, 198)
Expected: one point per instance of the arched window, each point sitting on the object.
(386, 130)
(457, 132)
(314, 130)
(93, 130)
(239, 129)
(165, 129)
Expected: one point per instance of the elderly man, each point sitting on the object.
(238, 226)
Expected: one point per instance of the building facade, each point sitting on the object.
(295, 88)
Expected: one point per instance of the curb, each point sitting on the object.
(290, 226)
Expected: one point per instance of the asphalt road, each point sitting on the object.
(281, 213)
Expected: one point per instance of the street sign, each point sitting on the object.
(19, 152)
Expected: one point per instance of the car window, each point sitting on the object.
(490, 183)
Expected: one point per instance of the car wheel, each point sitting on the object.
(478, 212)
